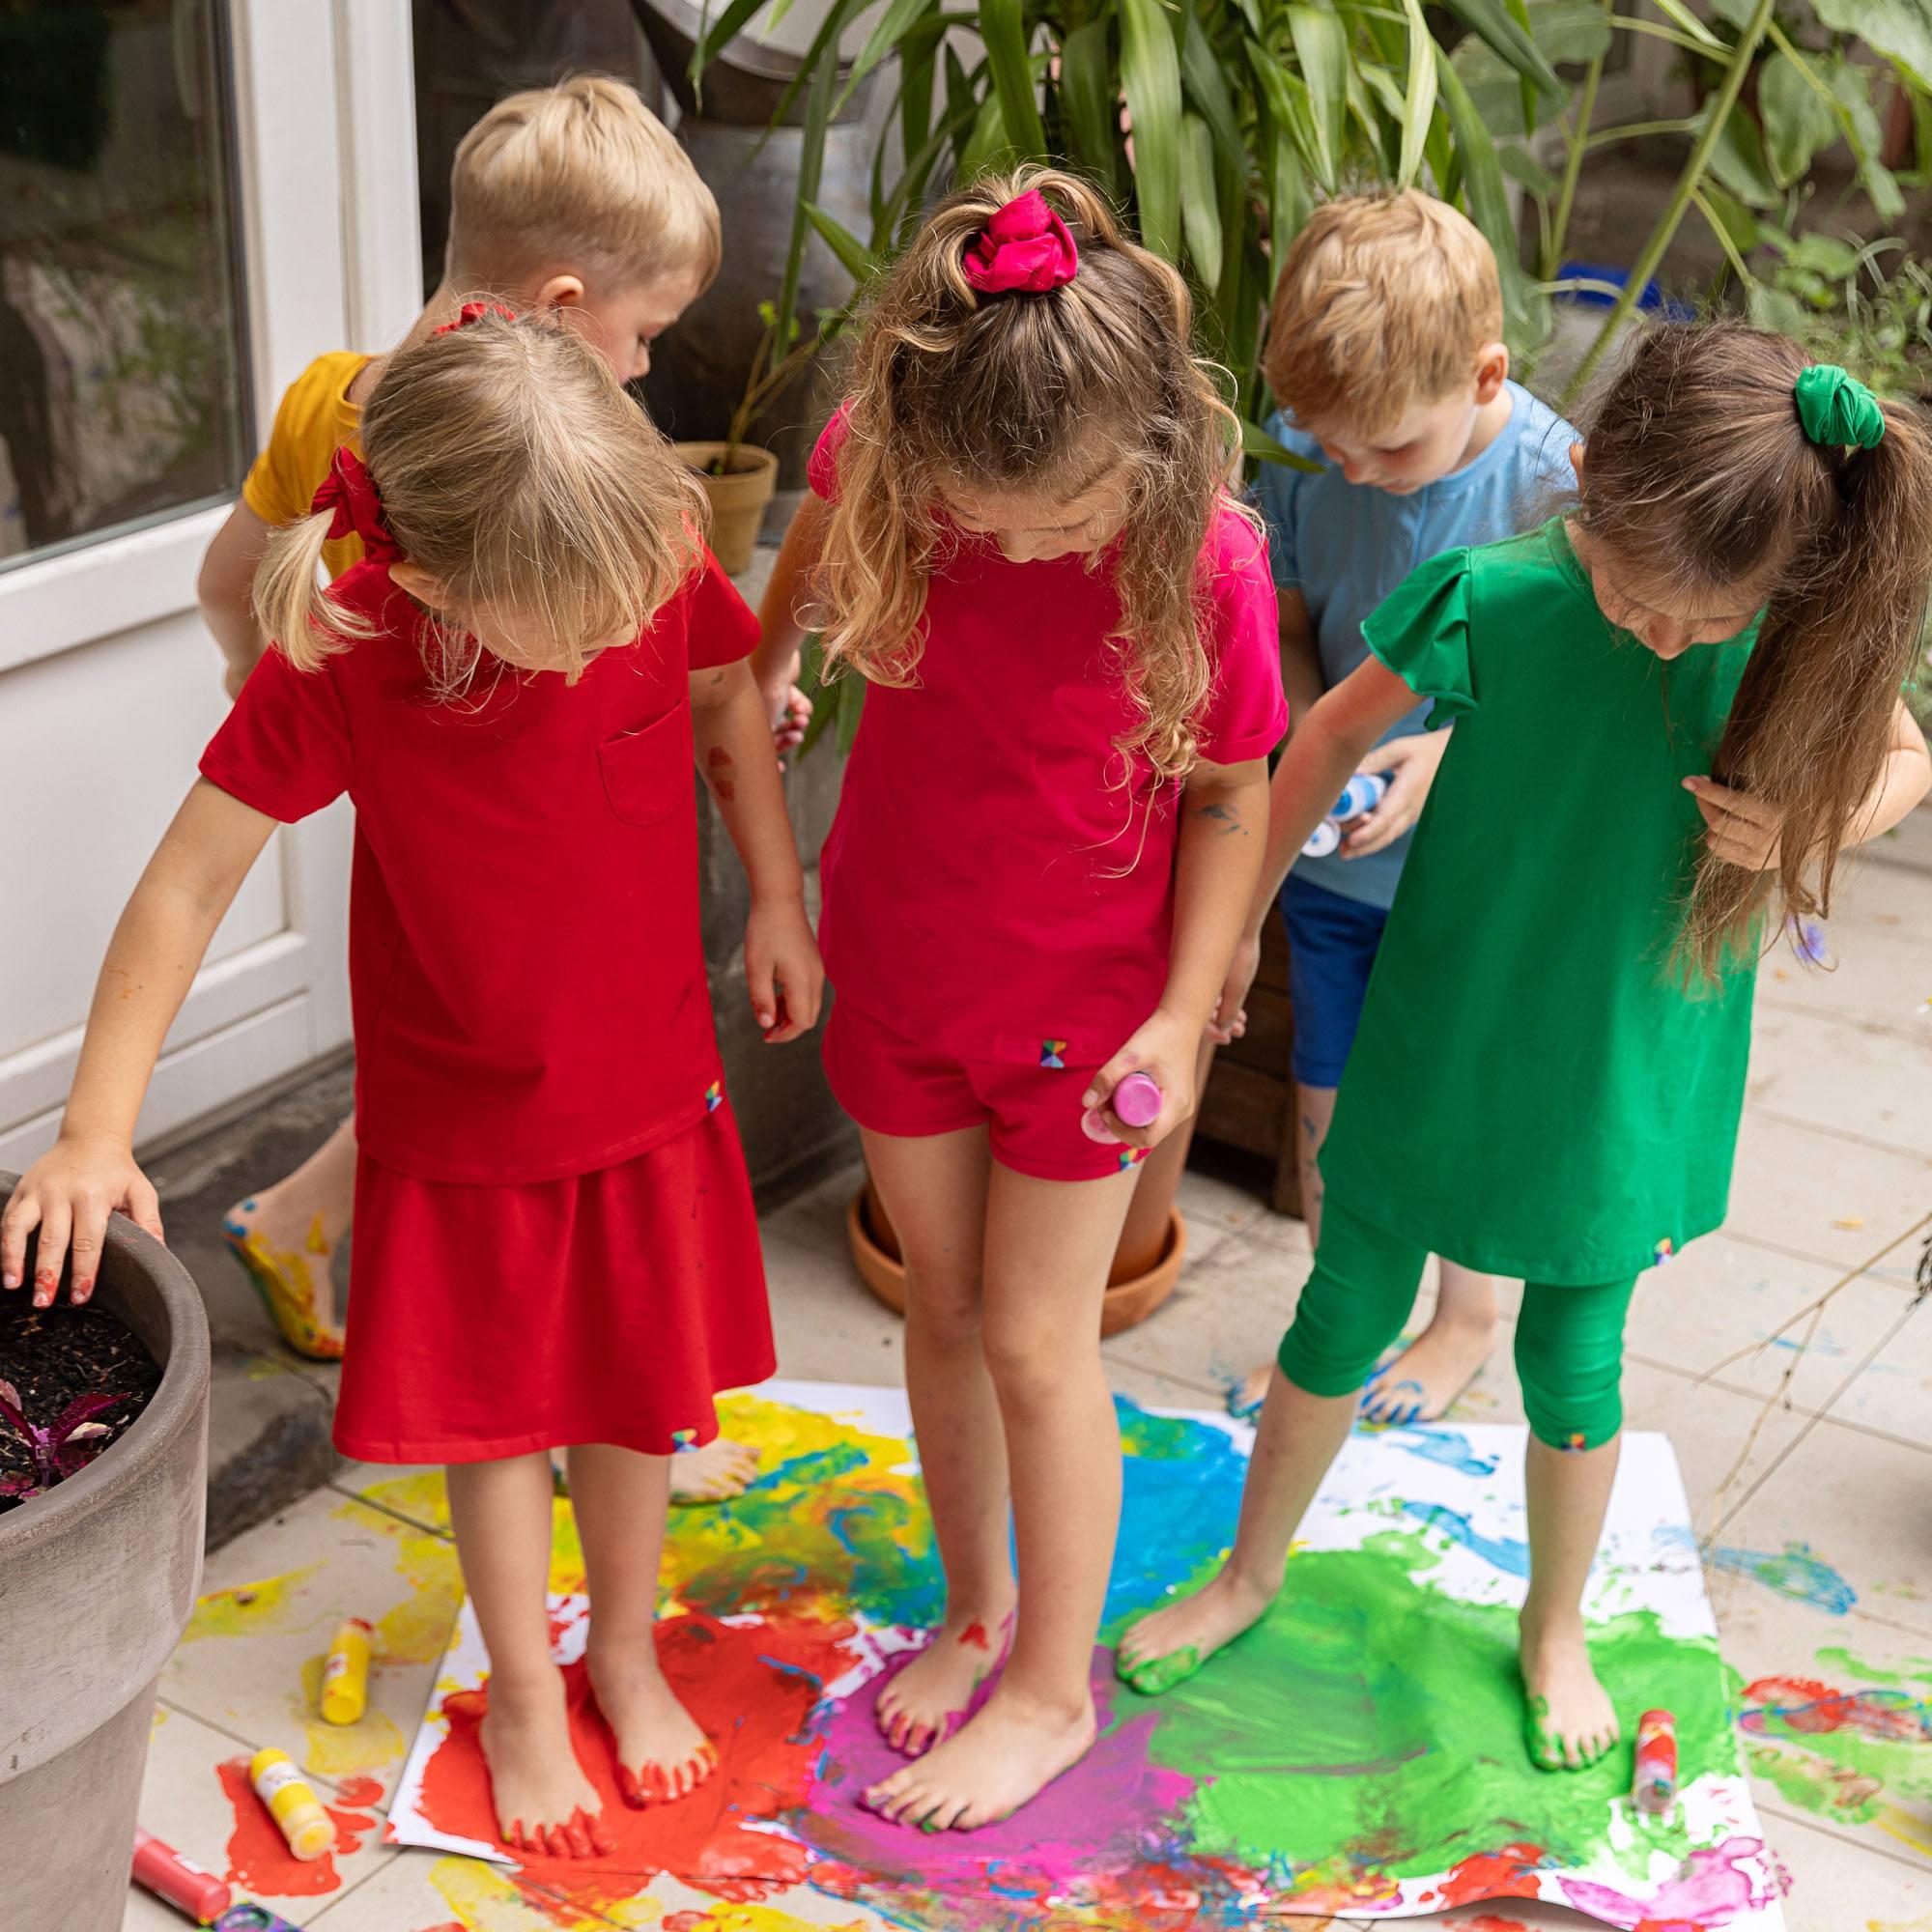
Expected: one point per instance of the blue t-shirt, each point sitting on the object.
(1345, 546)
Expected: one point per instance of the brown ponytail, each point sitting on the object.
(1700, 475)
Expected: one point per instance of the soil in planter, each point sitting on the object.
(54, 1354)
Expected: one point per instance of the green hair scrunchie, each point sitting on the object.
(1836, 408)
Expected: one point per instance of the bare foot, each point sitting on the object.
(1010, 1751)
(1569, 1720)
(662, 1749)
(285, 1255)
(721, 1468)
(1431, 1373)
(544, 1802)
(927, 1698)
(1171, 1645)
(1246, 1395)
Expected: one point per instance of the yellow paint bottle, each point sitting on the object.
(345, 1676)
(303, 1823)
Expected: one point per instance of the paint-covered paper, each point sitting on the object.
(1361, 1751)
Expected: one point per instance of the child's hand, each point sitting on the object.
(788, 707)
(1410, 764)
(1230, 1018)
(782, 972)
(1744, 831)
(1164, 1049)
(67, 1194)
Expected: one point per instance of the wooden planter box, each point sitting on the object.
(1250, 1098)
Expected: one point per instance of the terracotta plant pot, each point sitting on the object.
(876, 1254)
(738, 498)
(97, 1580)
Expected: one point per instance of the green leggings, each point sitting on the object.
(1569, 1340)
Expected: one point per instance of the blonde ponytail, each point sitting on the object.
(300, 617)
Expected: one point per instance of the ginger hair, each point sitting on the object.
(1031, 392)
(1383, 301)
(583, 176)
(518, 474)
(1699, 478)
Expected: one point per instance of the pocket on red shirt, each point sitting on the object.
(647, 772)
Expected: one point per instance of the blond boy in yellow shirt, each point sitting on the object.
(573, 197)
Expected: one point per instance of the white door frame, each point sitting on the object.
(326, 206)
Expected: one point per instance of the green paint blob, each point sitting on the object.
(1837, 1659)
(1372, 1722)
(1159, 1674)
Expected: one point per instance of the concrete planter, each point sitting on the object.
(97, 1580)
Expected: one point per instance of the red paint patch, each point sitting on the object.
(1808, 1707)
(976, 1636)
(687, 1921)
(1510, 1873)
(1490, 1922)
(715, 756)
(360, 1792)
(752, 1690)
(259, 1858)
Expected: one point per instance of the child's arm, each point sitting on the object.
(1327, 747)
(152, 961)
(222, 587)
(1743, 830)
(1223, 810)
(775, 662)
(1300, 659)
(733, 742)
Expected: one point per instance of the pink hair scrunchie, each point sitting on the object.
(1026, 246)
(474, 312)
(350, 493)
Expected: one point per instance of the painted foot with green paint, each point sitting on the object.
(1008, 1753)
(1569, 1720)
(927, 1699)
(1171, 1645)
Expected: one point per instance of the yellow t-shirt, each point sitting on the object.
(314, 420)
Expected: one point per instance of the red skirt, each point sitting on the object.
(495, 1319)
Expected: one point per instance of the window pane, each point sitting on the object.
(123, 390)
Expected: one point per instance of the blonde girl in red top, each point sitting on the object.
(554, 1241)
(1022, 540)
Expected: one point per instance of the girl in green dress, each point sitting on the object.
(1675, 708)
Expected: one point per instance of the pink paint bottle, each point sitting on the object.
(183, 1883)
(1135, 1099)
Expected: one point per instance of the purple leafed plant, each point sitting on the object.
(58, 1451)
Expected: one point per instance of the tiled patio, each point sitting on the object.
(1820, 1564)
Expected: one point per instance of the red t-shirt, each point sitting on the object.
(524, 963)
(990, 887)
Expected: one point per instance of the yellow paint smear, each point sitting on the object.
(417, 1630)
(485, 1898)
(421, 1497)
(343, 1750)
(248, 1609)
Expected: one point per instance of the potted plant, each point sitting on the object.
(99, 1560)
(738, 477)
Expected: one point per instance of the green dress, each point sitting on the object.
(1531, 1091)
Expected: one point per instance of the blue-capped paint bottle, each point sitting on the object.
(1359, 797)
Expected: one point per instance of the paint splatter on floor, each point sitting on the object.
(259, 1858)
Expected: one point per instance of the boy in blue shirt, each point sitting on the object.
(1385, 351)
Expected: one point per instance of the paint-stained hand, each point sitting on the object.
(1410, 764)
(66, 1198)
(782, 971)
(1744, 831)
(1165, 1049)
(788, 707)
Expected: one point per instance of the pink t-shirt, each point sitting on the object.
(992, 886)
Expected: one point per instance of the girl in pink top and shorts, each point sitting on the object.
(1021, 537)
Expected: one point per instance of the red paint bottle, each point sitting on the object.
(183, 1883)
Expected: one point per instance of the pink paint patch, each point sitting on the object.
(259, 1856)
(1713, 1888)
(1106, 1815)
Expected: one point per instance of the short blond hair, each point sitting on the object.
(579, 175)
(1384, 302)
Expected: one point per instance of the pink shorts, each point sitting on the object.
(893, 1085)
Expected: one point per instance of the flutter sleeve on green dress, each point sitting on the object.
(1532, 1090)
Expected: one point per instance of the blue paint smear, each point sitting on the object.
(1796, 1573)
(1448, 1446)
(1502, 1552)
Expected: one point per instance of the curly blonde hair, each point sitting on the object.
(516, 471)
(1031, 392)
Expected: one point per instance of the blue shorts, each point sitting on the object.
(1331, 946)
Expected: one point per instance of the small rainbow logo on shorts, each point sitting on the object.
(1131, 1157)
(713, 1097)
(1576, 1441)
(1662, 1252)
(1053, 1053)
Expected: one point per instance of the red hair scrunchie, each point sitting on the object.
(474, 312)
(1026, 246)
(350, 494)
